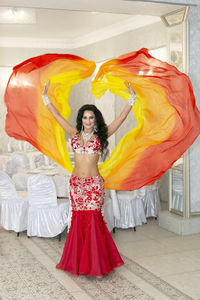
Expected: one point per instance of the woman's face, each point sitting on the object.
(88, 119)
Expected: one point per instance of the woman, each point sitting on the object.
(89, 248)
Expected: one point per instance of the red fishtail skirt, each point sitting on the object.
(89, 248)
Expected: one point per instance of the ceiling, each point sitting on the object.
(79, 22)
(112, 6)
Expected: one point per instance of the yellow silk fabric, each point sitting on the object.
(154, 124)
(50, 134)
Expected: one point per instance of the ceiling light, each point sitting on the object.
(17, 15)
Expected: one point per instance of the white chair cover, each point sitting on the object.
(46, 160)
(17, 163)
(115, 204)
(8, 167)
(131, 209)
(61, 185)
(21, 179)
(107, 211)
(39, 160)
(63, 205)
(32, 162)
(152, 201)
(13, 208)
(69, 218)
(4, 157)
(45, 218)
(69, 147)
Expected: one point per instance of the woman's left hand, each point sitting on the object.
(132, 98)
(129, 88)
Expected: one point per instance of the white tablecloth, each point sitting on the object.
(60, 179)
(15, 162)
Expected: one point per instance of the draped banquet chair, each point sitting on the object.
(46, 217)
(151, 200)
(61, 183)
(107, 211)
(131, 209)
(18, 162)
(14, 209)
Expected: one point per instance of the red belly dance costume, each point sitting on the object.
(89, 248)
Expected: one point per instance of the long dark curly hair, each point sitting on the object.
(102, 129)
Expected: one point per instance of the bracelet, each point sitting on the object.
(131, 100)
(46, 99)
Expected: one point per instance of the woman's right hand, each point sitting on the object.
(45, 97)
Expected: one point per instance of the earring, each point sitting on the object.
(95, 127)
(82, 128)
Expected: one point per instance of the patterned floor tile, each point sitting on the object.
(24, 275)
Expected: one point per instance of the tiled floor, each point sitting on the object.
(158, 265)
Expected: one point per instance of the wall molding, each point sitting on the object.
(85, 40)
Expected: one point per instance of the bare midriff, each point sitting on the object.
(86, 165)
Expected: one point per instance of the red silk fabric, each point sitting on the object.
(168, 118)
(165, 110)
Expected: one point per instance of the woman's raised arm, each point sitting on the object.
(112, 128)
(68, 128)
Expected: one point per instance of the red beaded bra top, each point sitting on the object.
(93, 145)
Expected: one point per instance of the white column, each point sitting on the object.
(194, 73)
